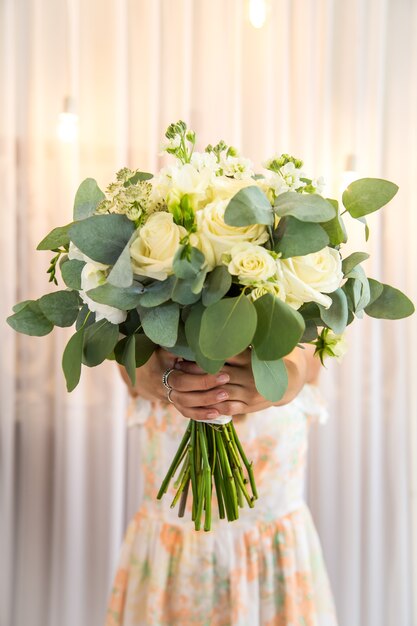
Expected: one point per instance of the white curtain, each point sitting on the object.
(322, 79)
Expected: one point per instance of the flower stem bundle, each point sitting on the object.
(211, 456)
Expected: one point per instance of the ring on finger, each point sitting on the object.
(165, 378)
(170, 390)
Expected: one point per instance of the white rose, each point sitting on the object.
(251, 263)
(153, 250)
(307, 278)
(221, 236)
(92, 276)
(223, 188)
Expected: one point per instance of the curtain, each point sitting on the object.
(330, 81)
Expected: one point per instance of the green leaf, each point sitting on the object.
(310, 333)
(187, 262)
(181, 347)
(158, 292)
(121, 274)
(392, 304)
(217, 285)
(227, 327)
(144, 349)
(336, 316)
(271, 378)
(123, 298)
(72, 359)
(182, 292)
(198, 282)
(124, 352)
(279, 328)
(192, 333)
(136, 178)
(71, 273)
(359, 292)
(60, 307)
(367, 195)
(161, 323)
(335, 228)
(102, 237)
(301, 238)
(352, 261)
(376, 289)
(99, 341)
(85, 317)
(20, 305)
(30, 320)
(55, 239)
(307, 207)
(87, 198)
(249, 206)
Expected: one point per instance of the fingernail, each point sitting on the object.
(222, 395)
(212, 415)
(223, 378)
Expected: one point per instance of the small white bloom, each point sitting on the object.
(237, 167)
(92, 276)
(274, 288)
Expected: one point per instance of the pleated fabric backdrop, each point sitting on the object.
(323, 79)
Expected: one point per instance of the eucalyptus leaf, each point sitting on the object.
(217, 285)
(392, 304)
(30, 320)
(55, 239)
(187, 262)
(123, 298)
(335, 228)
(72, 359)
(367, 195)
(300, 238)
(308, 207)
(182, 348)
(360, 292)
(227, 327)
(71, 273)
(249, 206)
(102, 237)
(87, 198)
(376, 289)
(137, 177)
(336, 316)
(271, 378)
(21, 305)
(100, 339)
(85, 317)
(60, 307)
(354, 259)
(182, 292)
(121, 274)
(124, 352)
(310, 332)
(161, 323)
(192, 333)
(158, 292)
(279, 328)
(198, 282)
(144, 349)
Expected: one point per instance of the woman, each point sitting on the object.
(265, 568)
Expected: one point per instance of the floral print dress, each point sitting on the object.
(265, 569)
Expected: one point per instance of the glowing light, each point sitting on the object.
(257, 13)
(67, 129)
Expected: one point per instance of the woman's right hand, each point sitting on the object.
(188, 389)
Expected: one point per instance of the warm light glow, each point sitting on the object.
(257, 13)
(350, 174)
(68, 127)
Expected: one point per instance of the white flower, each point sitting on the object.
(307, 278)
(205, 160)
(287, 180)
(251, 263)
(176, 181)
(237, 167)
(224, 188)
(329, 344)
(221, 236)
(153, 250)
(92, 276)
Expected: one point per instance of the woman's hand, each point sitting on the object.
(230, 392)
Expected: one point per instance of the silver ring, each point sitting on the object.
(170, 390)
(165, 377)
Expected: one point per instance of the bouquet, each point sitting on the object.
(206, 259)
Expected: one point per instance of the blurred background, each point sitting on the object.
(88, 87)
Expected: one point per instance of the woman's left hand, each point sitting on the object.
(243, 396)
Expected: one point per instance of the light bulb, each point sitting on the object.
(67, 129)
(257, 13)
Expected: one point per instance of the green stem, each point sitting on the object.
(245, 460)
(174, 464)
(206, 476)
(183, 501)
(181, 489)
